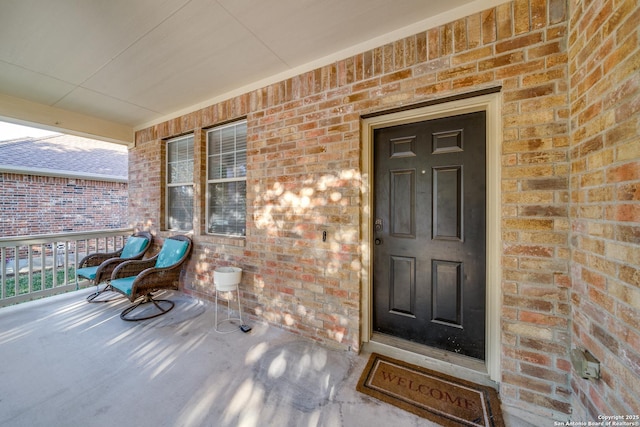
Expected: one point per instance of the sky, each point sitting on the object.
(11, 131)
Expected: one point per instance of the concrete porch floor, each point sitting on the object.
(65, 362)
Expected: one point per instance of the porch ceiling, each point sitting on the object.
(133, 63)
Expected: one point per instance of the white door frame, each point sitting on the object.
(491, 104)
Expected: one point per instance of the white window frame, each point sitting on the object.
(170, 185)
(224, 180)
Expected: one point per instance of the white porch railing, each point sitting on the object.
(42, 265)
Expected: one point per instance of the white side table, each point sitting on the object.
(227, 279)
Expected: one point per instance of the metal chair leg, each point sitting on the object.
(107, 288)
(147, 299)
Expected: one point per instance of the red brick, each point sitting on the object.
(504, 21)
(460, 35)
(521, 16)
(532, 92)
(542, 319)
(530, 250)
(488, 19)
(527, 383)
(557, 11)
(519, 42)
(474, 30)
(446, 39)
(546, 401)
(624, 213)
(421, 47)
(538, 13)
(433, 42)
(626, 172)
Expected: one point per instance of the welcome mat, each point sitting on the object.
(440, 398)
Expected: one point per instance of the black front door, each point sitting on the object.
(429, 233)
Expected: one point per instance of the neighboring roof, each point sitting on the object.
(65, 155)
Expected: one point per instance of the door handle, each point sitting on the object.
(377, 241)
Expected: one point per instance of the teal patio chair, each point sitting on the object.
(98, 267)
(138, 280)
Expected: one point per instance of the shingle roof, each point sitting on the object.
(66, 154)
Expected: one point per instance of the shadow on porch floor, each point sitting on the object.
(65, 362)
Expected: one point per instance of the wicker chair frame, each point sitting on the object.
(150, 279)
(107, 262)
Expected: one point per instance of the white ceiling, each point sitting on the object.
(134, 62)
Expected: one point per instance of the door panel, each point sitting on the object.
(402, 211)
(447, 203)
(447, 292)
(402, 285)
(429, 253)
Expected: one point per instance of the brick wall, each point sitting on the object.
(604, 62)
(304, 156)
(40, 205)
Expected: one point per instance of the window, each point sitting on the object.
(227, 179)
(180, 183)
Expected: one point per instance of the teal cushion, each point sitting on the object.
(124, 284)
(171, 252)
(133, 247)
(87, 272)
